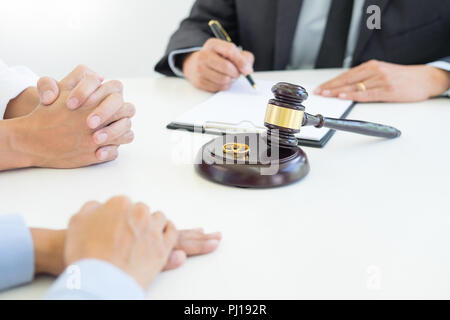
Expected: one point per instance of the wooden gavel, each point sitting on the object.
(252, 160)
(285, 116)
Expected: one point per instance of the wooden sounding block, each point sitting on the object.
(251, 160)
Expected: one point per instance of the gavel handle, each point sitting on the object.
(361, 127)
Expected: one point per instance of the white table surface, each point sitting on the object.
(372, 219)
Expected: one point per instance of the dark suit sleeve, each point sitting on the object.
(194, 30)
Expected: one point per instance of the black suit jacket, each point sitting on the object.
(412, 31)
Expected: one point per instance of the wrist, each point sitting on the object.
(23, 104)
(438, 79)
(13, 155)
(183, 60)
(48, 251)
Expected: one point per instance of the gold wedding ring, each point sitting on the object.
(237, 149)
(362, 86)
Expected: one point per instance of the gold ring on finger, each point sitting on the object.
(362, 86)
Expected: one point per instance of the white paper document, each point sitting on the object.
(243, 106)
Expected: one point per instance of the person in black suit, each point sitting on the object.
(398, 50)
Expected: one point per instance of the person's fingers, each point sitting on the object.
(222, 81)
(87, 86)
(370, 83)
(196, 242)
(107, 153)
(336, 91)
(208, 85)
(249, 56)
(159, 221)
(221, 65)
(48, 90)
(170, 235)
(373, 95)
(140, 218)
(107, 108)
(112, 132)
(128, 110)
(198, 233)
(191, 233)
(175, 260)
(126, 138)
(231, 52)
(73, 78)
(106, 89)
(352, 76)
(348, 77)
(199, 247)
(118, 204)
(90, 206)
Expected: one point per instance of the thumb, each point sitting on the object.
(48, 90)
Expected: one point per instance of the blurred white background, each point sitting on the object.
(117, 38)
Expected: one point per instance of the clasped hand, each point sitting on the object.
(79, 121)
(126, 234)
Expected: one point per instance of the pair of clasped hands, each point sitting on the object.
(219, 63)
(81, 121)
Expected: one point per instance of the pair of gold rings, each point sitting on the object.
(237, 149)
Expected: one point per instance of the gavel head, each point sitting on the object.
(284, 114)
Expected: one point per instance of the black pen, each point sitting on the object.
(220, 33)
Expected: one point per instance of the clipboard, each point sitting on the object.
(241, 110)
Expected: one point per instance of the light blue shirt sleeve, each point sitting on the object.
(16, 252)
(93, 279)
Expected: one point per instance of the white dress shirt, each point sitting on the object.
(311, 27)
(13, 81)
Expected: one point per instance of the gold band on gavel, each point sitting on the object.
(284, 117)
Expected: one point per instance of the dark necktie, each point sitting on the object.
(334, 43)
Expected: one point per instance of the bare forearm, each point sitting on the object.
(11, 154)
(48, 250)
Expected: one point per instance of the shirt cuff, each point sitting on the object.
(13, 81)
(177, 71)
(93, 279)
(444, 65)
(16, 252)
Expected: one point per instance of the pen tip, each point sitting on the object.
(255, 87)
